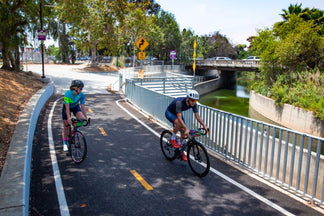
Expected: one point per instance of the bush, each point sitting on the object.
(300, 89)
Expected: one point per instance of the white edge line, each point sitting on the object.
(56, 171)
(242, 187)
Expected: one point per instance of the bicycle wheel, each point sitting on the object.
(78, 147)
(166, 146)
(198, 159)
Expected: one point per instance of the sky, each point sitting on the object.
(236, 19)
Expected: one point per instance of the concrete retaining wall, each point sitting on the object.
(289, 116)
(208, 86)
(15, 176)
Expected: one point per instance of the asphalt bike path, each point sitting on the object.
(125, 172)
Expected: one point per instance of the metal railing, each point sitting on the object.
(282, 156)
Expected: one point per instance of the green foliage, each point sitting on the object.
(301, 89)
(292, 56)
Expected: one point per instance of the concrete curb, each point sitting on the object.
(15, 177)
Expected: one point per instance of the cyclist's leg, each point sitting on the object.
(65, 128)
(77, 112)
(173, 119)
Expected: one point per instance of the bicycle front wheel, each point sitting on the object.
(166, 146)
(78, 147)
(198, 159)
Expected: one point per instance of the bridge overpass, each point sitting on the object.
(226, 65)
(226, 69)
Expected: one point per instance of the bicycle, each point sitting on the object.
(197, 155)
(77, 144)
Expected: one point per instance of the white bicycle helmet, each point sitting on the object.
(193, 94)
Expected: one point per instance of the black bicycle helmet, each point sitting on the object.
(77, 83)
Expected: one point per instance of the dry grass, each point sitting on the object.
(16, 88)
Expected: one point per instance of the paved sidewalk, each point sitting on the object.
(15, 178)
(61, 75)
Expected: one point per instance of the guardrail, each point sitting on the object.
(282, 156)
(230, 65)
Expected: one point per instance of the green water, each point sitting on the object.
(227, 100)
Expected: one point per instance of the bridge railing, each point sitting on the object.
(238, 65)
(282, 156)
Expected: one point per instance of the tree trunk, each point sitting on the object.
(16, 65)
(5, 57)
(64, 45)
(93, 53)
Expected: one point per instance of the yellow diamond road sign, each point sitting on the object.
(142, 43)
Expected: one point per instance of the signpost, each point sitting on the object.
(141, 45)
(173, 55)
(194, 65)
(141, 55)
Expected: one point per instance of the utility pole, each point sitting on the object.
(42, 42)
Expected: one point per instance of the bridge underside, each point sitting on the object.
(204, 68)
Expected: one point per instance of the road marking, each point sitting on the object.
(103, 131)
(64, 209)
(141, 180)
(242, 187)
(90, 110)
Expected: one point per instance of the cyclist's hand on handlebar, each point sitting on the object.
(88, 121)
(207, 129)
(187, 133)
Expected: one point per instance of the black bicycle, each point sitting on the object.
(197, 155)
(76, 141)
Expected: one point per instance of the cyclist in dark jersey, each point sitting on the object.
(174, 114)
(73, 99)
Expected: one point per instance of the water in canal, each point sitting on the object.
(234, 101)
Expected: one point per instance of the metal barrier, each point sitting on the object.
(282, 156)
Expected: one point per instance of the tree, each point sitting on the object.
(187, 41)
(15, 19)
(170, 29)
(217, 44)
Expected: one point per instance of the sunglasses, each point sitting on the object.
(193, 100)
(81, 89)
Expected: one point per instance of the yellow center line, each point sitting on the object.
(90, 110)
(141, 180)
(103, 131)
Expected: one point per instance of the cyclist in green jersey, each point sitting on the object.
(74, 101)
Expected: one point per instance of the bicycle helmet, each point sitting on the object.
(193, 94)
(77, 83)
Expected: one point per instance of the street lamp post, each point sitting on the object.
(117, 44)
(42, 42)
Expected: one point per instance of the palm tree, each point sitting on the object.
(292, 9)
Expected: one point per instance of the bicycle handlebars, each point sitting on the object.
(81, 122)
(195, 132)
(198, 132)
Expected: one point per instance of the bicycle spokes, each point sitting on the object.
(198, 159)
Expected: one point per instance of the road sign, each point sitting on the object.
(142, 43)
(141, 55)
(140, 74)
(173, 54)
(41, 34)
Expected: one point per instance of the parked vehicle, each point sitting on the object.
(252, 58)
(219, 58)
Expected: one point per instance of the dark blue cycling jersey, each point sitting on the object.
(179, 104)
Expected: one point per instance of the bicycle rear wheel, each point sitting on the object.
(78, 147)
(198, 159)
(166, 146)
